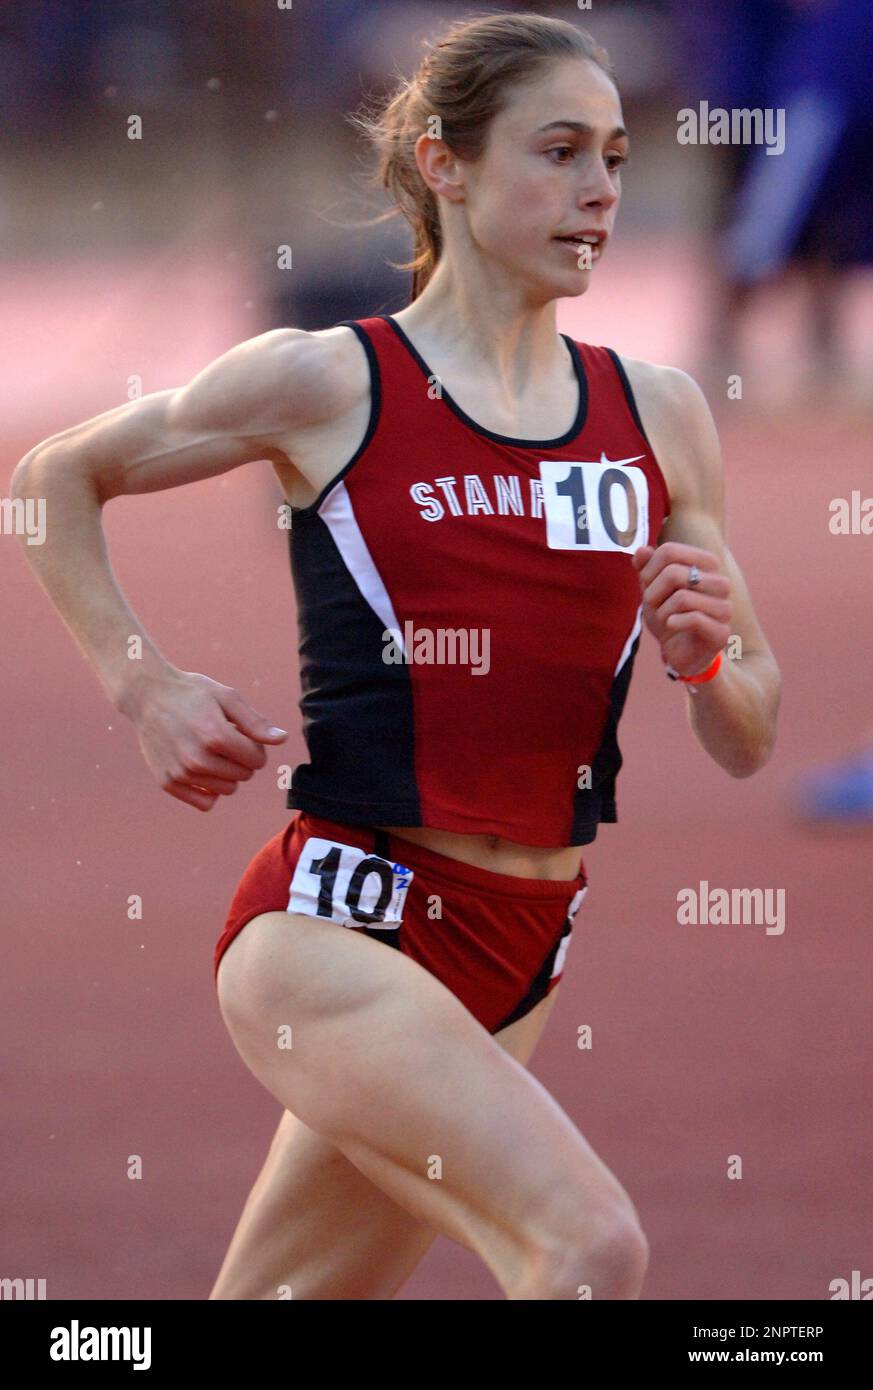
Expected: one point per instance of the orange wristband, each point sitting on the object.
(702, 676)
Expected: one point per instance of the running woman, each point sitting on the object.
(485, 513)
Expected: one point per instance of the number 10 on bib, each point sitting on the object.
(595, 506)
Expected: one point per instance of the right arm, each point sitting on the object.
(194, 732)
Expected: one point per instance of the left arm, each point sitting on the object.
(733, 715)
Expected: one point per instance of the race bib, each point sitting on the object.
(595, 506)
(348, 885)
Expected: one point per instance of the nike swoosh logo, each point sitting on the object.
(614, 463)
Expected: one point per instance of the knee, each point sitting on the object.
(617, 1260)
(603, 1257)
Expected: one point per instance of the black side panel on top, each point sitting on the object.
(357, 709)
(597, 803)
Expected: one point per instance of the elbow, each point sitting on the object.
(756, 752)
(29, 475)
(43, 466)
(741, 736)
(746, 761)
(27, 503)
(740, 768)
(21, 482)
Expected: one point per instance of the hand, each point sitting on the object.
(200, 738)
(692, 625)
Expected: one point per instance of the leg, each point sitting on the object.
(315, 1224)
(416, 1086)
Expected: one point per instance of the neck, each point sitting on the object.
(491, 328)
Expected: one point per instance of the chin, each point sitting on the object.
(578, 284)
(566, 286)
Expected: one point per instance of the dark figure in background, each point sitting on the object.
(807, 209)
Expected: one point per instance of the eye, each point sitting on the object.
(557, 149)
(615, 161)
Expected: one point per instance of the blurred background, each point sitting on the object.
(128, 265)
(245, 147)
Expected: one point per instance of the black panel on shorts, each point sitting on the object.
(540, 987)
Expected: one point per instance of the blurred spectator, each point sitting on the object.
(808, 208)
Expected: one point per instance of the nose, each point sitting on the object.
(598, 189)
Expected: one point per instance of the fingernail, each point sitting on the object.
(276, 730)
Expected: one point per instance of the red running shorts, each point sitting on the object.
(497, 942)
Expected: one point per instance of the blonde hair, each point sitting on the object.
(463, 81)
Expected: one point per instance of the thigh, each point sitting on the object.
(314, 1227)
(389, 1066)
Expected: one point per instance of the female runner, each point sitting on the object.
(484, 513)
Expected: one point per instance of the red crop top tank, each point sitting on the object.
(468, 613)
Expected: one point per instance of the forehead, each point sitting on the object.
(566, 89)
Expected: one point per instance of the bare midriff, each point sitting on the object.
(494, 853)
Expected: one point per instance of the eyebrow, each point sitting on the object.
(582, 128)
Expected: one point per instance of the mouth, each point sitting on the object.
(595, 241)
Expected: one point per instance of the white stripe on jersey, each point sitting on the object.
(635, 632)
(337, 514)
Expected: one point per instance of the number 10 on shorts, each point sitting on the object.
(346, 884)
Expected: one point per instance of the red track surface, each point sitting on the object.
(708, 1041)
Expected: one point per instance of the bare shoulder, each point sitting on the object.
(669, 396)
(284, 380)
(679, 424)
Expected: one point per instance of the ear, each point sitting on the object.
(440, 169)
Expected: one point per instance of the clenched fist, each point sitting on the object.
(691, 624)
(200, 738)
